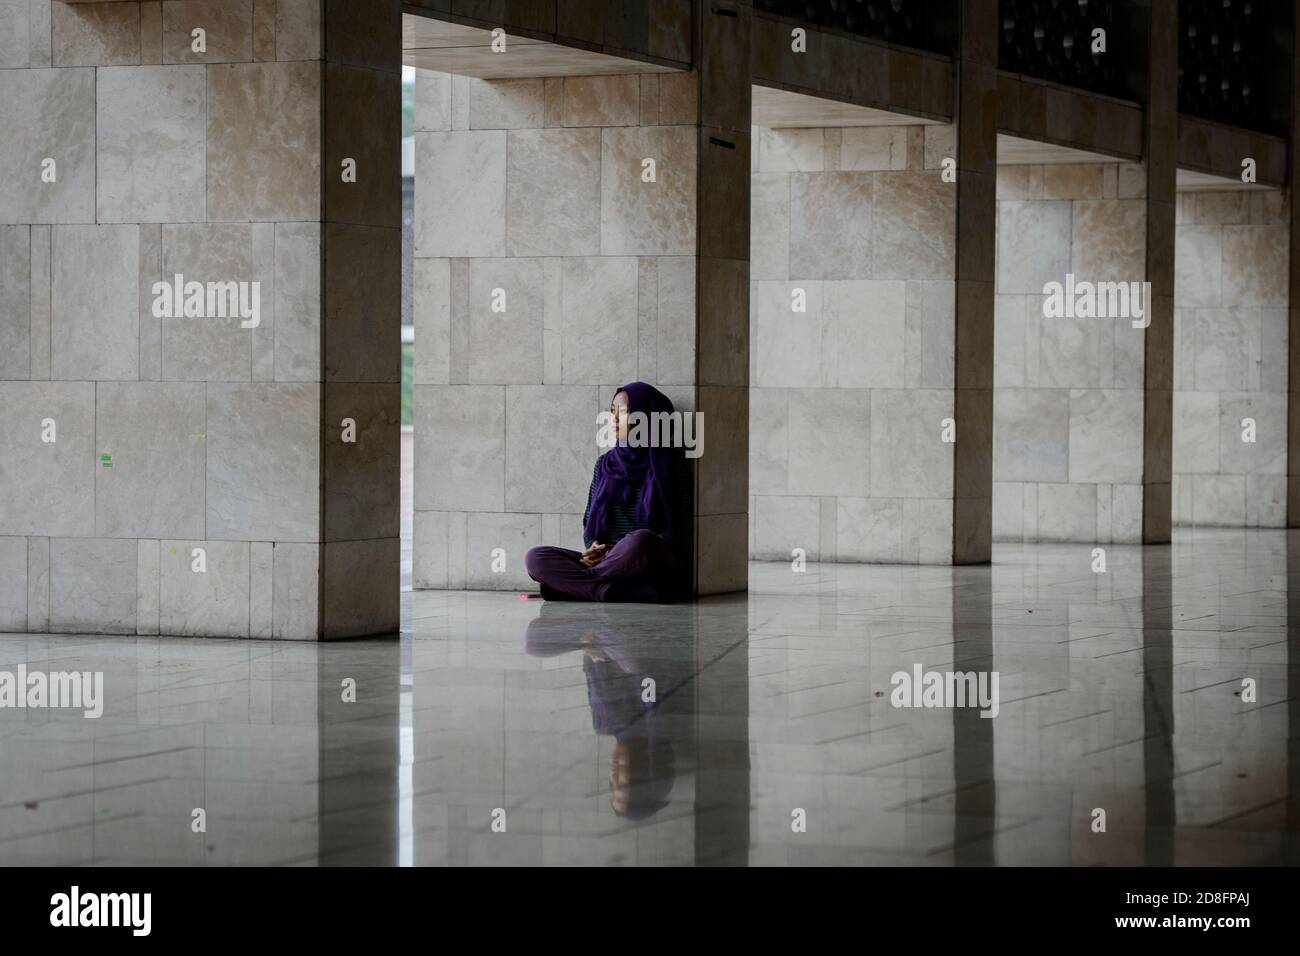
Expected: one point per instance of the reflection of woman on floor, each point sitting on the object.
(641, 760)
(634, 510)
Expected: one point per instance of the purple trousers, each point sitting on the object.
(641, 557)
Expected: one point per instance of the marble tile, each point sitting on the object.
(831, 439)
(15, 303)
(443, 206)
(295, 591)
(506, 104)
(52, 115)
(1070, 350)
(553, 194)
(1219, 500)
(1126, 513)
(1108, 241)
(927, 530)
(13, 584)
(679, 99)
(874, 148)
(1226, 348)
(602, 100)
(263, 462)
(790, 150)
(1132, 182)
(510, 534)
(297, 30)
(1009, 368)
(432, 101)
(788, 344)
(261, 589)
(869, 529)
(208, 348)
(1267, 453)
(909, 459)
(297, 302)
(648, 218)
(768, 440)
(599, 319)
(831, 224)
(1066, 512)
(1105, 435)
(502, 322)
(92, 586)
(209, 603)
(1008, 510)
(1196, 432)
(1031, 429)
(1255, 263)
(813, 650)
(1033, 245)
(1074, 180)
(769, 253)
(227, 26)
(1198, 264)
(941, 144)
(784, 523)
(550, 444)
(253, 175)
(38, 585)
(675, 320)
(460, 434)
(938, 334)
(1221, 208)
(95, 308)
(47, 488)
(863, 339)
(15, 34)
(95, 34)
(148, 572)
(154, 432)
(1265, 501)
(151, 120)
(914, 227)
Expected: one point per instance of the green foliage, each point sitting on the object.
(408, 377)
(408, 110)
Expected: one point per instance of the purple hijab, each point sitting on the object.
(623, 468)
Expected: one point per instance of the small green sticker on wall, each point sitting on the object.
(106, 461)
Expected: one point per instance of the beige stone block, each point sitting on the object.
(264, 140)
(227, 26)
(601, 100)
(648, 218)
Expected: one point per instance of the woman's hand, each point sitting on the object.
(592, 556)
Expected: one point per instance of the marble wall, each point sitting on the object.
(529, 194)
(1230, 359)
(167, 435)
(1068, 398)
(848, 397)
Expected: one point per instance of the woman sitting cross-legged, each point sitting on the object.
(635, 518)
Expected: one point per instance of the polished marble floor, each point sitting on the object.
(1120, 691)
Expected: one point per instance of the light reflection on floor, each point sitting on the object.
(1119, 691)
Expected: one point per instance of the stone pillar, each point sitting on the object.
(1293, 299)
(722, 42)
(977, 105)
(1161, 205)
(197, 480)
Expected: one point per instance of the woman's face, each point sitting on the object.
(618, 409)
